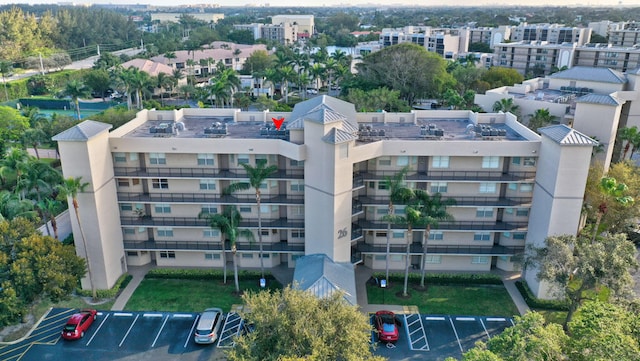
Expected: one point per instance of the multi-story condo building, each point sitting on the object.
(551, 33)
(285, 33)
(489, 36)
(305, 23)
(151, 178)
(624, 38)
(175, 17)
(537, 58)
(607, 56)
(446, 42)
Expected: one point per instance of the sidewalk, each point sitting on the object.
(138, 273)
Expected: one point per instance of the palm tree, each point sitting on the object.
(11, 206)
(257, 176)
(33, 137)
(341, 58)
(632, 137)
(70, 189)
(540, 118)
(38, 177)
(138, 81)
(5, 68)
(397, 193)
(272, 76)
(13, 162)
(507, 105)
(76, 90)
(170, 56)
(176, 76)
(228, 222)
(49, 208)
(286, 74)
(610, 189)
(432, 209)
(162, 82)
(191, 64)
(316, 71)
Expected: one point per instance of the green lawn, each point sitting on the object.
(188, 295)
(479, 300)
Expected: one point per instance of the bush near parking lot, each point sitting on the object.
(122, 282)
(201, 274)
(534, 302)
(446, 278)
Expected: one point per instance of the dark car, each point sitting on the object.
(78, 324)
(386, 326)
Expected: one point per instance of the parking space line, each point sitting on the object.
(98, 329)
(152, 315)
(182, 315)
(511, 320)
(129, 330)
(496, 319)
(465, 318)
(485, 328)
(413, 340)
(456, 333)
(71, 310)
(434, 318)
(158, 335)
(123, 314)
(191, 332)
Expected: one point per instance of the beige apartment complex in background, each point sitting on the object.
(151, 178)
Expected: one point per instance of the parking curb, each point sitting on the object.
(35, 325)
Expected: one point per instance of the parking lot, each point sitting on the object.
(436, 337)
(154, 336)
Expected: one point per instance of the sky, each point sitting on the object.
(342, 2)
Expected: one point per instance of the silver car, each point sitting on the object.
(209, 326)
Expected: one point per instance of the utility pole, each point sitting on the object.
(98, 49)
(41, 64)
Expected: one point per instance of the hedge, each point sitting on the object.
(534, 302)
(122, 282)
(200, 274)
(447, 278)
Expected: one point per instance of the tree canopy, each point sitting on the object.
(292, 324)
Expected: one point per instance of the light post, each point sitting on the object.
(383, 285)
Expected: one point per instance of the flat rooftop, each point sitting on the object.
(225, 127)
(548, 95)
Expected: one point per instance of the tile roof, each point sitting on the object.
(562, 134)
(599, 99)
(82, 132)
(603, 75)
(337, 136)
(323, 277)
(152, 68)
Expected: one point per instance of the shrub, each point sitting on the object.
(534, 302)
(122, 282)
(447, 278)
(200, 274)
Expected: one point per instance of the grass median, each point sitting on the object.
(182, 295)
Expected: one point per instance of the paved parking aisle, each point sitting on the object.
(469, 330)
(442, 338)
(495, 325)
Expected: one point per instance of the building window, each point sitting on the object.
(520, 235)
(513, 186)
(123, 182)
(396, 258)
(160, 183)
(490, 162)
(529, 162)
(488, 187)
(297, 186)
(207, 184)
(526, 187)
(399, 235)
(162, 208)
(515, 160)
(296, 163)
(436, 236)
(382, 186)
(120, 157)
(245, 209)
(135, 181)
(132, 254)
(165, 232)
(126, 207)
(211, 256)
(440, 162)
(381, 234)
(522, 212)
(208, 209)
(402, 161)
(433, 259)
(243, 159)
(380, 257)
(205, 159)
(167, 254)
(133, 157)
(484, 212)
(384, 161)
(439, 187)
(506, 234)
(479, 260)
(482, 236)
(297, 234)
(210, 233)
(261, 159)
(264, 232)
(382, 210)
(247, 255)
(157, 158)
(129, 230)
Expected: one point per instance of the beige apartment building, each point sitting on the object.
(150, 178)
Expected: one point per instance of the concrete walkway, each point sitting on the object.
(138, 273)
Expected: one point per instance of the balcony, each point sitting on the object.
(417, 249)
(281, 223)
(460, 201)
(451, 226)
(444, 175)
(356, 232)
(282, 247)
(202, 172)
(356, 207)
(208, 198)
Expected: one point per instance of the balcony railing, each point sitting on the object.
(208, 198)
(356, 207)
(203, 172)
(444, 175)
(356, 232)
(282, 247)
(460, 201)
(196, 222)
(451, 225)
(417, 249)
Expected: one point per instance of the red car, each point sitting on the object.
(386, 326)
(78, 324)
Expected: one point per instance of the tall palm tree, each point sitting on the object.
(176, 76)
(39, 178)
(33, 137)
(12, 206)
(138, 81)
(540, 118)
(228, 222)
(191, 64)
(70, 189)
(257, 175)
(162, 81)
(507, 105)
(49, 208)
(286, 74)
(170, 56)
(76, 90)
(13, 162)
(397, 193)
(316, 71)
(432, 209)
(632, 137)
(271, 75)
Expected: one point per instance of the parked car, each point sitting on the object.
(312, 91)
(209, 326)
(78, 324)
(386, 326)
